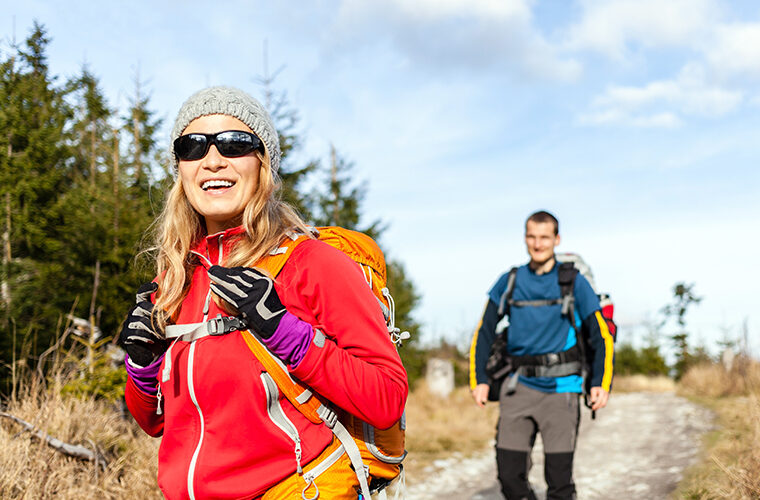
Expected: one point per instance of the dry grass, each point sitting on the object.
(711, 380)
(643, 383)
(439, 427)
(29, 469)
(731, 464)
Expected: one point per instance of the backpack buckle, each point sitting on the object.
(552, 359)
(224, 325)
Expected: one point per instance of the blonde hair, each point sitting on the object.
(266, 220)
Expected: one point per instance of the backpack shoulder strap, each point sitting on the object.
(506, 297)
(566, 276)
(294, 390)
(275, 260)
(298, 393)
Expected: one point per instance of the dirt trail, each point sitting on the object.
(638, 447)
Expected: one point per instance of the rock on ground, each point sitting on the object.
(638, 447)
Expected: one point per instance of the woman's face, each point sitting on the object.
(219, 188)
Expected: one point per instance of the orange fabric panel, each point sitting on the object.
(339, 482)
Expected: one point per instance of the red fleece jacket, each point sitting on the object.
(218, 439)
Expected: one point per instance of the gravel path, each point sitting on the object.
(638, 447)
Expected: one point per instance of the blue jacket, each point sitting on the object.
(543, 329)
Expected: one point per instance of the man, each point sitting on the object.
(542, 395)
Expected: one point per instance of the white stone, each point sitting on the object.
(440, 376)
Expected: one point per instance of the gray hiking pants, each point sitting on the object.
(522, 416)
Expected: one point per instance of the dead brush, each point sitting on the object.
(744, 475)
(732, 465)
(712, 380)
(440, 427)
(642, 383)
(31, 469)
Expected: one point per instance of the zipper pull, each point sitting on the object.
(299, 470)
(159, 411)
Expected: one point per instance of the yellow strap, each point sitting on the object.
(609, 347)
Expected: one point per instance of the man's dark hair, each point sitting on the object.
(542, 216)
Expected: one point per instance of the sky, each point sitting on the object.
(636, 122)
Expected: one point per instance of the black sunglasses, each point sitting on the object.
(230, 143)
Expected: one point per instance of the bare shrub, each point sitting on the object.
(712, 380)
(732, 468)
(642, 383)
(439, 427)
(31, 469)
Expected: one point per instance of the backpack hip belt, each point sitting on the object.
(554, 364)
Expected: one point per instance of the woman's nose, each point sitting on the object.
(213, 159)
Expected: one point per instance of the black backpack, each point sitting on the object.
(501, 364)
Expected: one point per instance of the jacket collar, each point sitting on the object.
(210, 245)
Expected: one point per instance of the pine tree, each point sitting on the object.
(138, 177)
(34, 176)
(85, 207)
(141, 124)
(339, 203)
(683, 298)
(286, 120)
(72, 215)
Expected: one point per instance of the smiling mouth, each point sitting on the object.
(216, 184)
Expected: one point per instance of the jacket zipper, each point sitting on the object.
(278, 417)
(191, 391)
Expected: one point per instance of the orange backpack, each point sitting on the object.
(377, 451)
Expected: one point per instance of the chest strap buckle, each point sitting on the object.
(222, 325)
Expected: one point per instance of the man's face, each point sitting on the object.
(540, 240)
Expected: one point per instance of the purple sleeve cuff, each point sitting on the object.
(290, 340)
(145, 378)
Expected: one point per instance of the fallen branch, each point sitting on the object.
(71, 450)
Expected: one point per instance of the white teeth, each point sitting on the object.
(216, 184)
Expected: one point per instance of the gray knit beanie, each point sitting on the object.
(233, 102)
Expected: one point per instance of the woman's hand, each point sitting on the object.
(252, 293)
(140, 336)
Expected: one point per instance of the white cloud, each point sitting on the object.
(613, 27)
(662, 103)
(432, 9)
(455, 36)
(736, 50)
(618, 28)
(610, 117)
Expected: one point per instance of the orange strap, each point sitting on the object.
(273, 264)
(275, 260)
(291, 388)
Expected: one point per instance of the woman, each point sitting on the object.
(227, 433)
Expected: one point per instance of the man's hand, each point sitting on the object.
(480, 394)
(599, 398)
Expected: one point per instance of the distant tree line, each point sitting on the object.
(649, 359)
(81, 183)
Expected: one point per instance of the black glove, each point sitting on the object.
(140, 336)
(252, 293)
